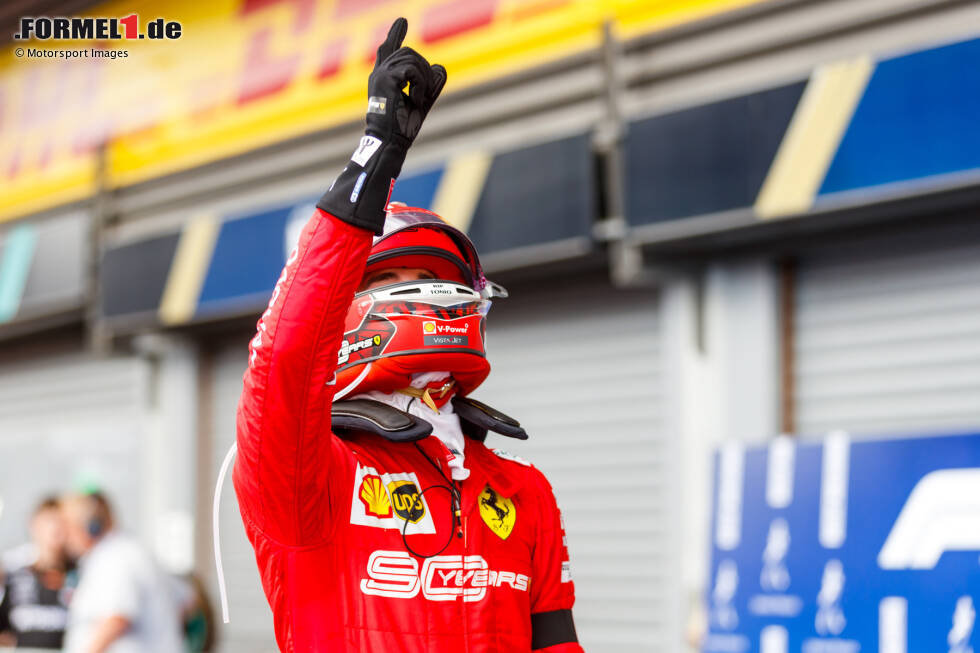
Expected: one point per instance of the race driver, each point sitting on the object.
(380, 520)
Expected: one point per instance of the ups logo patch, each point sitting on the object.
(497, 512)
(405, 501)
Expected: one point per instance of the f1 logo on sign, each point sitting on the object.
(396, 575)
(845, 546)
(942, 514)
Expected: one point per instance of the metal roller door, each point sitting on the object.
(888, 337)
(579, 367)
(68, 421)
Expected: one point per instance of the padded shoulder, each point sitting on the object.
(477, 418)
(367, 415)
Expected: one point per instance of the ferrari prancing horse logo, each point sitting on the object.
(498, 513)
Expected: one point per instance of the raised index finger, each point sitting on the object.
(394, 40)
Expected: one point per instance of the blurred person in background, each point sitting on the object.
(124, 602)
(34, 604)
(389, 539)
(197, 615)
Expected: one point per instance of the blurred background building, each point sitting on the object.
(719, 221)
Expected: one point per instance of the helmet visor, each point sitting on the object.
(434, 299)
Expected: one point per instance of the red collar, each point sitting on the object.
(486, 468)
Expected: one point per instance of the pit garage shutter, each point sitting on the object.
(579, 366)
(69, 421)
(888, 336)
(251, 629)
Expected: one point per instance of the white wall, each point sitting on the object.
(721, 366)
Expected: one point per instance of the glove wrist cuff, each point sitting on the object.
(359, 195)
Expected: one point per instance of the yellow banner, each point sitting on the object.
(247, 73)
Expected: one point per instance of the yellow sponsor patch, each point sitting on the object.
(374, 497)
(498, 513)
(406, 501)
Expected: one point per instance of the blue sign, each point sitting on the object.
(252, 249)
(846, 546)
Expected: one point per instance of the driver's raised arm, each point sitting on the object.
(286, 454)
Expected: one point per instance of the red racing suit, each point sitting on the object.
(326, 515)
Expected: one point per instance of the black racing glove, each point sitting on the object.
(360, 193)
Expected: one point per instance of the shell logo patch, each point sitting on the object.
(429, 327)
(374, 496)
(406, 501)
(497, 512)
